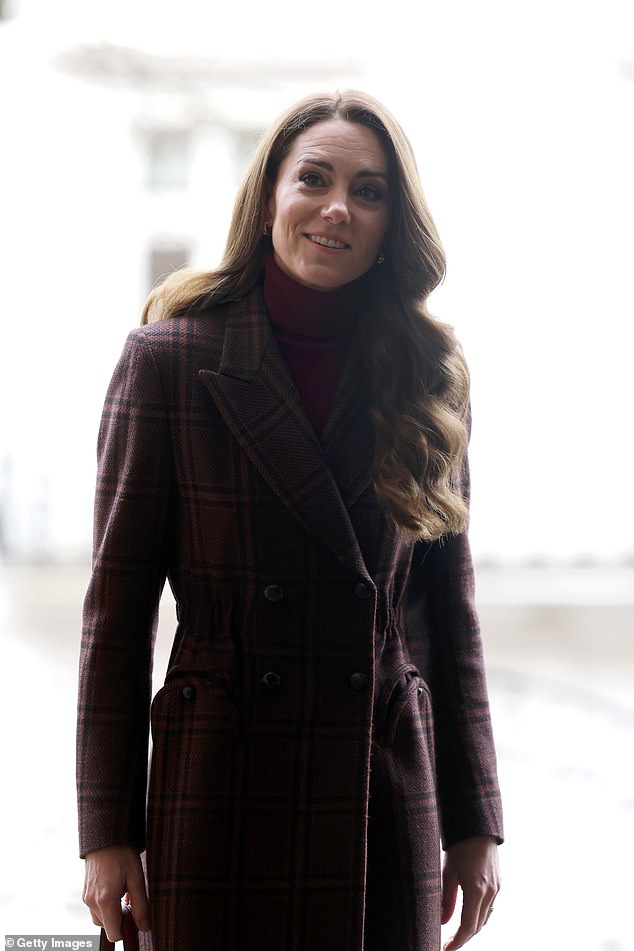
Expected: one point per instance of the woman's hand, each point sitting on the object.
(110, 874)
(472, 865)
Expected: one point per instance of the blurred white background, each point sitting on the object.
(125, 128)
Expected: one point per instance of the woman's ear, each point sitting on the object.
(268, 216)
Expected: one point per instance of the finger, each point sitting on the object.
(138, 901)
(103, 902)
(449, 895)
(463, 934)
(95, 914)
(460, 938)
(105, 911)
(111, 922)
(469, 919)
(475, 914)
(486, 910)
(489, 912)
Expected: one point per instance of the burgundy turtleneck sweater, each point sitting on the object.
(313, 330)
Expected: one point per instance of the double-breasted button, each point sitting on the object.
(189, 693)
(273, 592)
(362, 591)
(271, 680)
(358, 681)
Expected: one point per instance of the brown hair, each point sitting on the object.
(417, 377)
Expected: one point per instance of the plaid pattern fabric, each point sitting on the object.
(324, 719)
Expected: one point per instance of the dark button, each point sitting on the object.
(362, 591)
(189, 693)
(273, 592)
(271, 680)
(358, 681)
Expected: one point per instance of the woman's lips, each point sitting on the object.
(325, 242)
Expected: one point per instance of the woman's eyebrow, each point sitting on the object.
(329, 167)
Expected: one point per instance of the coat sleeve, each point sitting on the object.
(466, 767)
(130, 556)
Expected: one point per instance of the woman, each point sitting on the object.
(285, 440)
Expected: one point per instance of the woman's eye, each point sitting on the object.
(370, 193)
(311, 178)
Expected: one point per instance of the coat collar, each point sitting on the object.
(318, 480)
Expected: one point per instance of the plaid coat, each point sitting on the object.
(324, 720)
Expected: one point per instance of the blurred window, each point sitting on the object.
(8, 8)
(168, 152)
(243, 144)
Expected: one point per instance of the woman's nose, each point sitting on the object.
(336, 210)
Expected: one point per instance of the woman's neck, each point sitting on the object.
(293, 307)
(313, 330)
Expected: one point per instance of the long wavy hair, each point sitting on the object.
(417, 379)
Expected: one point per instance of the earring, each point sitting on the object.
(267, 228)
(381, 258)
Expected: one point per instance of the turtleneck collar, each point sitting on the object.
(309, 313)
(314, 330)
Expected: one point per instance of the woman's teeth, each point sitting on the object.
(326, 242)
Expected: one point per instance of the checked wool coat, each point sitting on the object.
(324, 721)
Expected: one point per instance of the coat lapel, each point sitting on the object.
(348, 437)
(254, 393)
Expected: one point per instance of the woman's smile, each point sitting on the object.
(331, 244)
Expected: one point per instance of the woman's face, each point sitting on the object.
(330, 204)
